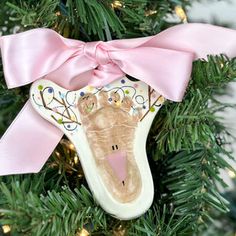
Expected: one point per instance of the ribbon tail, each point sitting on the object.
(28, 143)
(201, 39)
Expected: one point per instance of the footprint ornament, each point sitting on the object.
(108, 127)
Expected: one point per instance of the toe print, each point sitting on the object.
(87, 104)
(103, 98)
(127, 104)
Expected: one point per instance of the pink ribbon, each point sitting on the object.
(163, 61)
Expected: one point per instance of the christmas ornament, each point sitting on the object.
(162, 62)
(108, 126)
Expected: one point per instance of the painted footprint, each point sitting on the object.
(108, 127)
(110, 130)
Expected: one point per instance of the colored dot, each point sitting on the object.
(109, 99)
(68, 126)
(82, 94)
(40, 87)
(59, 121)
(152, 109)
(122, 81)
(127, 91)
(144, 107)
(50, 90)
(136, 85)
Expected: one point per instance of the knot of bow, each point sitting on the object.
(98, 52)
(106, 69)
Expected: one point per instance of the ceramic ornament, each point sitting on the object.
(108, 127)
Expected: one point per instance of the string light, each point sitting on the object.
(117, 4)
(120, 231)
(83, 232)
(76, 159)
(58, 154)
(6, 229)
(179, 11)
(58, 13)
(68, 144)
(150, 12)
(231, 174)
(72, 146)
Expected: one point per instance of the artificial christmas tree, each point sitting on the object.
(185, 145)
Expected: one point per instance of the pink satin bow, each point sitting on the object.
(163, 61)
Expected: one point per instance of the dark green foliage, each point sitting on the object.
(93, 20)
(185, 145)
(58, 213)
(193, 122)
(191, 142)
(34, 13)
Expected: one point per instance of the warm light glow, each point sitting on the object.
(150, 12)
(76, 159)
(181, 13)
(57, 153)
(120, 231)
(231, 174)
(116, 4)
(58, 13)
(6, 229)
(72, 146)
(83, 232)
